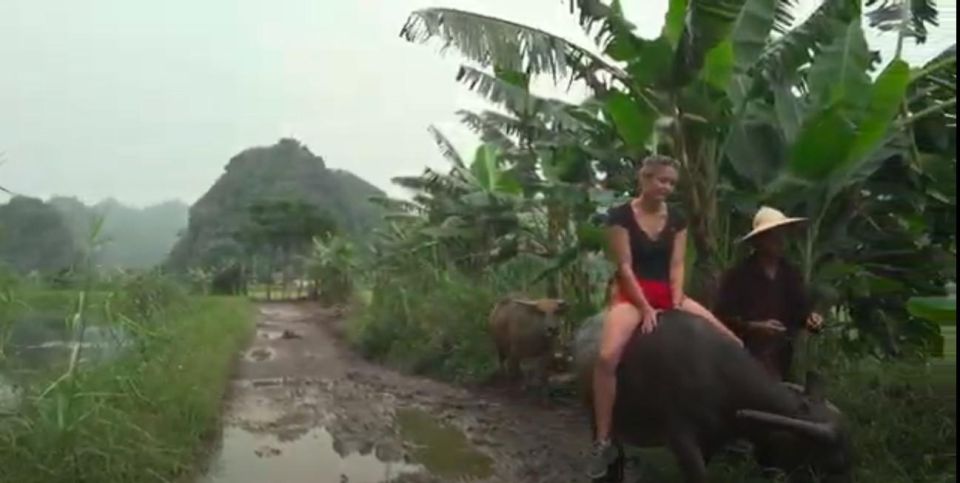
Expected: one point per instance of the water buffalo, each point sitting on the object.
(692, 389)
(526, 329)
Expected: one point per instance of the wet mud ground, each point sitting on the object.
(302, 407)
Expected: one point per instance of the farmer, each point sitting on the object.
(647, 240)
(764, 299)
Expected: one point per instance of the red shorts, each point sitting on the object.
(657, 292)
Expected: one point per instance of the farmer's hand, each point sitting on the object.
(768, 326)
(814, 322)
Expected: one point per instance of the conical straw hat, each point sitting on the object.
(767, 219)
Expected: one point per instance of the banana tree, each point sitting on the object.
(694, 74)
(749, 98)
(847, 155)
(467, 212)
(331, 265)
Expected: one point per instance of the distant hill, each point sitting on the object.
(34, 237)
(286, 170)
(135, 237)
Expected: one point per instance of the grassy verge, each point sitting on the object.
(143, 417)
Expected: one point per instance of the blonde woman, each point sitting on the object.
(648, 240)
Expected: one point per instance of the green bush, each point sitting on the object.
(902, 414)
(431, 323)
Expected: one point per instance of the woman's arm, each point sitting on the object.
(677, 260)
(618, 240)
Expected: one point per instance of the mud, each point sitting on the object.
(304, 408)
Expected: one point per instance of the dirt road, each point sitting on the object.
(304, 408)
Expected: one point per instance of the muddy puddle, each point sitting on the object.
(247, 457)
(261, 448)
(442, 449)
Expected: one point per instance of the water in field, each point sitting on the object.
(40, 345)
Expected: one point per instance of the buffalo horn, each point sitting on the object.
(802, 390)
(795, 387)
(817, 430)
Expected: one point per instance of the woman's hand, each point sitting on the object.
(648, 319)
(678, 298)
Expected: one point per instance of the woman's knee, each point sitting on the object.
(618, 327)
(607, 361)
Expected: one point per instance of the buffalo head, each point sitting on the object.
(550, 310)
(815, 437)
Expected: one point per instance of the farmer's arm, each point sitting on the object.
(728, 307)
(677, 267)
(798, 292)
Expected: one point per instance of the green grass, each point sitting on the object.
(144, 417)
(59, 301)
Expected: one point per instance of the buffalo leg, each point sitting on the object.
(502, 359)
(513, 369)
(543, 371)
(686, 449)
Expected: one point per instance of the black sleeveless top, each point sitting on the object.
(651, 258)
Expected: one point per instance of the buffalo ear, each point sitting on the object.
(815, 387)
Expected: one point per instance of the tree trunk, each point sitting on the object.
(556, 223)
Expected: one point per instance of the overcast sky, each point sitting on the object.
(147, 101)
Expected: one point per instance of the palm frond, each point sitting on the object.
(940, 72)
(394, 204)
(518, 100)
(497, 91)
(783, 17)
(446, 147)
(934, 87)
(493, 124)
(783, 58)
(491, 41)
(888, 16)
(605, 22)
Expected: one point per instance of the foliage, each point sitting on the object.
(332, 266)
(902, 414)
(10, 305)
(279, 229)
(430, 322)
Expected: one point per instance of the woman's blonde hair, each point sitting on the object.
(654, 162)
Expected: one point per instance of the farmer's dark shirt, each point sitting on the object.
(748, 294)
(651, 258)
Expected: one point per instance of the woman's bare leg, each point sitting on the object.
(694, 307)
(618, 326)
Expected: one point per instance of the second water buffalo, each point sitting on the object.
(525, 329)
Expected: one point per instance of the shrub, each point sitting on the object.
(429, 322)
